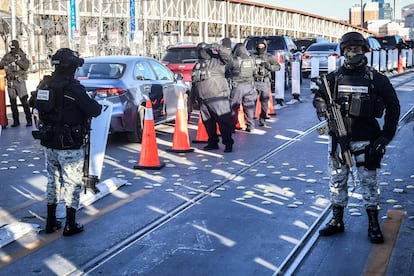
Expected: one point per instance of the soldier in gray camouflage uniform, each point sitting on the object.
(64, 112)
(363, 96)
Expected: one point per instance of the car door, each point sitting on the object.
(145, 75)
(166, 87)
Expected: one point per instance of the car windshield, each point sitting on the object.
(387, 42)
(322, 48)
(100, 71)
(181, 55)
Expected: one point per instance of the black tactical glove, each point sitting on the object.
(374, 153)
(320, 106)
(215, 46)
(265, 64)
(379, 144)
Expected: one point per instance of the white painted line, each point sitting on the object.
(14, 231)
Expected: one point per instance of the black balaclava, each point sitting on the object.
(354, 59)
(14, 46)
(261, 47)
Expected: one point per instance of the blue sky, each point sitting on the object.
(329, 8)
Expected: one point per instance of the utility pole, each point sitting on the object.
(13, 19)
(362, 14)
(395, 19)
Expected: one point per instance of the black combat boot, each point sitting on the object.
(15, 113)
(374, 230)
(71, 227)
(52, 224)
(336, 224)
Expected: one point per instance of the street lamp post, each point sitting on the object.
(362, 14)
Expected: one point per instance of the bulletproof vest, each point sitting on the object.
(356, 96)
(245, 70)
(58, 128)
(260, 71)
(49, 101)
(200, 72)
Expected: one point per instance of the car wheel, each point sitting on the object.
(136, 136)
(305, 75)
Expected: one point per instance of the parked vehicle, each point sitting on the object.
(303, 43)
(181, 58)
(374, 48)
(127, 82)
(281, 44)
(321, 51)
(389, 42)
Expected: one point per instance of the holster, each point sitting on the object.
(372, 158)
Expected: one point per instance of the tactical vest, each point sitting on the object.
(53, 131)
(356, 95)
(260, 72)
(200, 72)
(244, 72)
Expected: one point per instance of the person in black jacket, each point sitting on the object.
(64, 110)
(243, 91)
(16, 65)
(211, 90)
(265, 65)
(362, 93)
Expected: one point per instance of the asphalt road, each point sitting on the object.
(208, 213)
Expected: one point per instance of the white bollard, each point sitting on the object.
(369, 58)
(331, 64)
(295, 78)
(375, 60)
(383, 60)
(409, 57)
(280, 83)
(314, 72)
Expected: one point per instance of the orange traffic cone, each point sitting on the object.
(241, 123)
(258, 107)
(3, 114)
(149, 150)
(218, 130)
(270, 108)
(400, 64)
(202, 136)
(181, 141)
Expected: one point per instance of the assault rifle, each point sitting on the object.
(89, 180)
(336, 125)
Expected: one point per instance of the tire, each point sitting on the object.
(136, 136)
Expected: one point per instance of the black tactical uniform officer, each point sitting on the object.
(64, 110)
(362, 94)
(265, 65)
(16, 64)
(243, 90)
(210, 88)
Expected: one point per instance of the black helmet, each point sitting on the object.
(353, 39)
(67, 58)
(226, 42)
(202, 49)
(14, 44)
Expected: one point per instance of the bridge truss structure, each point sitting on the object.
(147, 27)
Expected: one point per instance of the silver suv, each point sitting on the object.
(278, 43)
